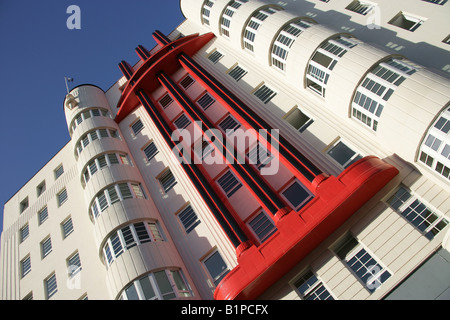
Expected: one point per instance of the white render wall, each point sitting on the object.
(405, 120)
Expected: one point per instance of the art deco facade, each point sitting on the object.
(348, 199)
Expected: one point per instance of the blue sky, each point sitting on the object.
(37, 50)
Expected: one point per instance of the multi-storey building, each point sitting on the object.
(340, 189)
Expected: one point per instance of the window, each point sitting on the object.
(186, 82)
(167, 180)
(24, 232)
(428, 221)
(162, 285)
(362, 263)
(62, 197)
(216, 267)
(150, 151)
(324, 60)
(93, 135)
(84, 115)
(46, 247)
(262, 226)
(343, 155)
(115, 193)
(137, 126)
(205, 101)
(237, 73)
(42, 215)
(377, 87)
(407, 21)
(24, 205)
(259, 156)
(59, 171)
(435, 149)
(310, 287)
(106, 160)
(25, 266)
(188, 219)
(215, 56)
(225, 20)
(73, 264)
(253, 25)
(264, 93)
(298, 119)
(40, 188)
(446, 40)
(67, 227)
(361, 7)
(229, 125)
(129, 236)
(165, 101)
(182, 122)
(50, 285)
(439, 2)
(207, 5)
(229, 183)
(297, 195)
(284, 41)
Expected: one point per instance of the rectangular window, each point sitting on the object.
(264, 93)
(215, 56)
(46, 247)
(259, 156)
(40, 188)
(229, 125)
(362, 263)
(24, 232)
(262, 226)
(137, 126)
(150, 151)
(216, 266)
(186, 82)
(24, 205)
(167, 180)
(67, 228)
(59, 171)
(62, 197)
(42, 215)
(51, 286)
(298, 119)
(125, 191)
(311, 288)
(237, 73)
(427, 221)
(343, 154)
(205, 101)
(229, 183)
(73, 264)
(297, 195)
(165, 101)
(361, 7)
(25, 266)
(188, 219)
(182, 121)
(141, 232)
(407, 21)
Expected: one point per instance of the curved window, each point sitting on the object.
(435, 148)
(323, 61)
(116, 193)
(253, 25)
(86, 114)
(206, 10)
(105, 160)
(93, 135)
(162, 285)
(285, 38)
(377, 87)
(225, 20)
(130, 236)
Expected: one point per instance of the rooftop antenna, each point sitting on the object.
(68, 79)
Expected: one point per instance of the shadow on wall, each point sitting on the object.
(382, 38)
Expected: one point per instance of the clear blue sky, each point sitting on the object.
(37, 50)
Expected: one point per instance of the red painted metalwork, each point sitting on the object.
(337, 199)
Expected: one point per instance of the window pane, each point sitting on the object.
(131, 292)
(147, 288)
(296, 195)
(164, 285)
(217, 268)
